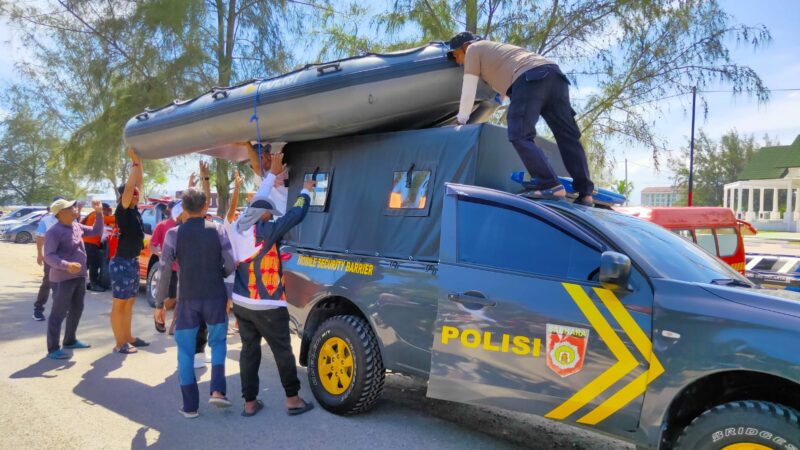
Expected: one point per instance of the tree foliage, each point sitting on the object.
(716, 163)
(29, 168)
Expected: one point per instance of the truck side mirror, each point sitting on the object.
(615, 271)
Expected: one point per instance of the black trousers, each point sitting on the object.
(272, 325)
(44, 290)
(93, 260)
(67, 303)
(545, 91)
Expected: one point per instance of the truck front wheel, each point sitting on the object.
(750, 424)
(345, 369)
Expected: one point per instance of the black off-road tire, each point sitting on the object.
(24, 238)
(768, 424)
(368, 374)
(149, 287)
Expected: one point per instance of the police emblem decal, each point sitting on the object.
(566, 349)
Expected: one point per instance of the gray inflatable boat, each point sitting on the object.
(412, 89)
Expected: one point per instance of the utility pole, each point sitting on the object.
(691, 148)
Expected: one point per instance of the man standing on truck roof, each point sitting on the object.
(536, 86)
(259, 301)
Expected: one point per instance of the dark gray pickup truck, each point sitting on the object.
(416, 257)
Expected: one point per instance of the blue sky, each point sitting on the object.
(778, 65)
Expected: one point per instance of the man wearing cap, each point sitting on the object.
(47, 221)
(93, 246)
(204, 256)
(259, 301)
(65, 253)
(536, 86)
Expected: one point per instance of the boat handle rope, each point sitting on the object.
(322, 70)
(254, 118)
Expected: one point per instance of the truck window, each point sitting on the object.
(684, 233)
(410, 193)
(496, 236)
(768, 264)
(728, 241)
(705, 239)
(319, 196)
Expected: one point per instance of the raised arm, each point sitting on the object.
(234, 201)
(134, 180)
(97, 229)
(294, 215)
(205, 178)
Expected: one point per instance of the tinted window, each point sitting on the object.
(728, 241)
(495, 236)
(705, 239)
(149, 217)
(767, 264)
(409, 193)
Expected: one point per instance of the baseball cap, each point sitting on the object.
(60, 205)
(461, 38)
(253, 213)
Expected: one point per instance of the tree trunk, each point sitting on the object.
(472, 15)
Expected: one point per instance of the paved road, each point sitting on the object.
(99, 399)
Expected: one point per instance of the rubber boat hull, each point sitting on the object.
(413, 89)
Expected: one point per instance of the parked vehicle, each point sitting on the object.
(23, 211)
(25, 231)
(6, 225)
(716, 230)
(774, 271)
(416, 257)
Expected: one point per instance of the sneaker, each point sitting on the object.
(198, 362)
(58, 354)
(38, 316)
(189, 415)
(77, 344)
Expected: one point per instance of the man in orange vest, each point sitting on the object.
(93, 244)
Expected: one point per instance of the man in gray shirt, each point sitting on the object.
(65, 253)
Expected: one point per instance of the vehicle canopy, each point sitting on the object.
(395, 208)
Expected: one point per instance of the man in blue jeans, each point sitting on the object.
(204, 256)
(536, 86)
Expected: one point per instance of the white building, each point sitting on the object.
(767, 193)
(659, 196)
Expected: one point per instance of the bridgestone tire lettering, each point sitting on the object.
(749, 421)
(368, 374)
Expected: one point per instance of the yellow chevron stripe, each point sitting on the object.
(636, 387)
(625, 360)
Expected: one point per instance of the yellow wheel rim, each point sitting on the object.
(746, 446)
(335, 365)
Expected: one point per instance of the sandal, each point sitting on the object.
(547, 194)
(126, 349)
(303, 409)
(581, 200)
(259, 407)
(160, 326)
(220, 402)
(138, 342)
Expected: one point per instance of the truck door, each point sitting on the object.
(523, 325)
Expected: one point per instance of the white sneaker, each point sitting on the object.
(198, 363)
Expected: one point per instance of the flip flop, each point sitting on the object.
(546, 194)
(259, 407)
(126, 349)
(220, 402)
(303, 409)
(138, 342)
(581, 200)
(160, 327)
